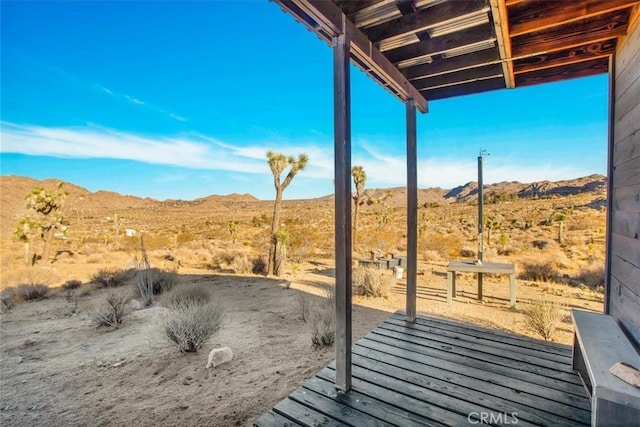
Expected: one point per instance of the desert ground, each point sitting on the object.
(58, 368)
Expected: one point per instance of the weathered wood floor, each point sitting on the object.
(442, 373)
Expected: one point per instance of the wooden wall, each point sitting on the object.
(623, 288)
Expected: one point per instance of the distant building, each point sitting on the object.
(129, 232)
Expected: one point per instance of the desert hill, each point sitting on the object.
(104, 204)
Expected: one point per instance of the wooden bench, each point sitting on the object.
(486, 267)
(598, 344)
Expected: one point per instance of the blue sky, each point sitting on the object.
(183, 99)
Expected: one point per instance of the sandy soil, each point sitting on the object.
(59, 369)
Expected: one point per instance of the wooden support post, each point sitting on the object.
(412, 211)
(480, 223)
(343, 255)
(610, 185)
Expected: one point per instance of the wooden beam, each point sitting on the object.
(575, 34)
(501, 25)
(546, 14)
(608, 282)
(423, 19)
(453, 65)
(565, 72)
(343, 255)
(477, 73)
(412, 212)
(328, 21)
(466, 88)
(565, 57)
(439, 45)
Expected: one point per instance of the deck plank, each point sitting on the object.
(491, 334)
(498, 384)
(436, 415)
(483, 339)
(494, 359)
(369, 405)
(504, 350)
(476, 392)
(437, 372)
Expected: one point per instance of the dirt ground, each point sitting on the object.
(59, 369)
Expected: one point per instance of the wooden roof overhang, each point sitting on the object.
(433, 49)
(423, 50)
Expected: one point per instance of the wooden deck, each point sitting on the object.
(442, 373)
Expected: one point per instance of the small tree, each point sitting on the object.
(278, 163)
(490, 224)
(43, 219)
(359, 180)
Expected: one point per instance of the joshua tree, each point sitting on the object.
(560, 217)
(278, 163)
(44, 217)
(233, 230)
(359, 179)
(491, 223)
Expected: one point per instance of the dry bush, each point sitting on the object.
(188, 326)
(109, 278)
(304, 306)
(544, 317)
(259, 265)
(233, 260)
(6, 301)
(241, 264)
(323, 329)
(447, 245)
(372, 282)
(111, 312)
(592, 277)
(71, 284)
(151, 281)
(538, 272)
(192, 293)
(27, 292)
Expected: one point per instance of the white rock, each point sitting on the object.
(135, 305)
(218, 356)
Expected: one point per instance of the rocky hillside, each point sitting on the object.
(105, 203)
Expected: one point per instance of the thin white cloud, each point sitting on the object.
(201, 152)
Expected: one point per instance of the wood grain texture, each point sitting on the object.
(535, 16)
(450, 65)
(564, 72)
(565, 57)
(578, 33)
(462, 89)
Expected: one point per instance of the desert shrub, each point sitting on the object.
(71, 284)
(6, 301)
(109, 278)
(592, 277)
(111, 312)
(540, 244)
(323, 330)
(188, 326)
(28, 292)
(538, 272)
(259, 265)
(151, 281)
(304, 306)
(544, 317)
(372, 282)
(447, 245)
(192, 293)
(241, 264)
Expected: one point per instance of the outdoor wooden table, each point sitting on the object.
(486, 267)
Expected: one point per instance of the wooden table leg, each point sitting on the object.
(480, 278)
(451, 277)
(512, 289)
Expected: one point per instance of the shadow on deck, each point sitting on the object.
(443, 373)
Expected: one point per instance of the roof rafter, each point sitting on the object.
(540, 16)
(501, 24)
(327, 20)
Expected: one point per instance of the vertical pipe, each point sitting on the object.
(412, 211)
(342, 156)
(610, 184)
(480, 223)
(480, 210)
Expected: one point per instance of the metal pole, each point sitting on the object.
(412, 212)
(480, 223)
(480, 210)
(342, 156)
